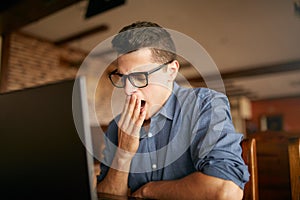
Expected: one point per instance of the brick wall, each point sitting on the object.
(34, 62)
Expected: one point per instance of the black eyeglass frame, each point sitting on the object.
(124, 77)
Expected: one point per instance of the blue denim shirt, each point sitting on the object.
(192, 132)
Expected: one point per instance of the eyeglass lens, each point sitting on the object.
(137, 80)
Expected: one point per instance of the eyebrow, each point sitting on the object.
(117, 70)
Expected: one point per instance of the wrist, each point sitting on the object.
(122, 160)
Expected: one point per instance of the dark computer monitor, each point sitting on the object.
(41, 147)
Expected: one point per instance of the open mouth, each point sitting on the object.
(143, 103)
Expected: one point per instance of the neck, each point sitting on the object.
(146, 124)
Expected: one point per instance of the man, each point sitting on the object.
(169, 142)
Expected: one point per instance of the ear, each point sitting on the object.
(173, 68)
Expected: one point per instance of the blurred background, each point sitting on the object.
(255, 45)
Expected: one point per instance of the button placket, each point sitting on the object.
(153, 155)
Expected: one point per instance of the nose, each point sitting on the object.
(129, 88)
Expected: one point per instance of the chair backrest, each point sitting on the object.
(294, 160)
(249, 156)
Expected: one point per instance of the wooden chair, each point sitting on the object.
(294, 160)
(249, 156)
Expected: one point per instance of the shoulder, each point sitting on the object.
(200, 96)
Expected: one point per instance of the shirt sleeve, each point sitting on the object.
(216, 149)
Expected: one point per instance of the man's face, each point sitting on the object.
(159, 83)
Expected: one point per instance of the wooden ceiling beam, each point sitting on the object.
(84, 34)
(14, 16)
(257, 71)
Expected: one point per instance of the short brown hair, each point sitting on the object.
(143, 34)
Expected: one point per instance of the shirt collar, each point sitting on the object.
(168, 108)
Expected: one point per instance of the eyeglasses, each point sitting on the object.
(137, 79)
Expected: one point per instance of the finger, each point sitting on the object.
(130, 109)
(141, 118)
(137, 110)
(124, 111)
(134, 125)
(139, 121)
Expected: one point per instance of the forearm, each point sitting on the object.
(129, 125)
(116, 179)
(193, 186)
(115, 183)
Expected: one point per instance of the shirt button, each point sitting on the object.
(154, 166)
(150, 134)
